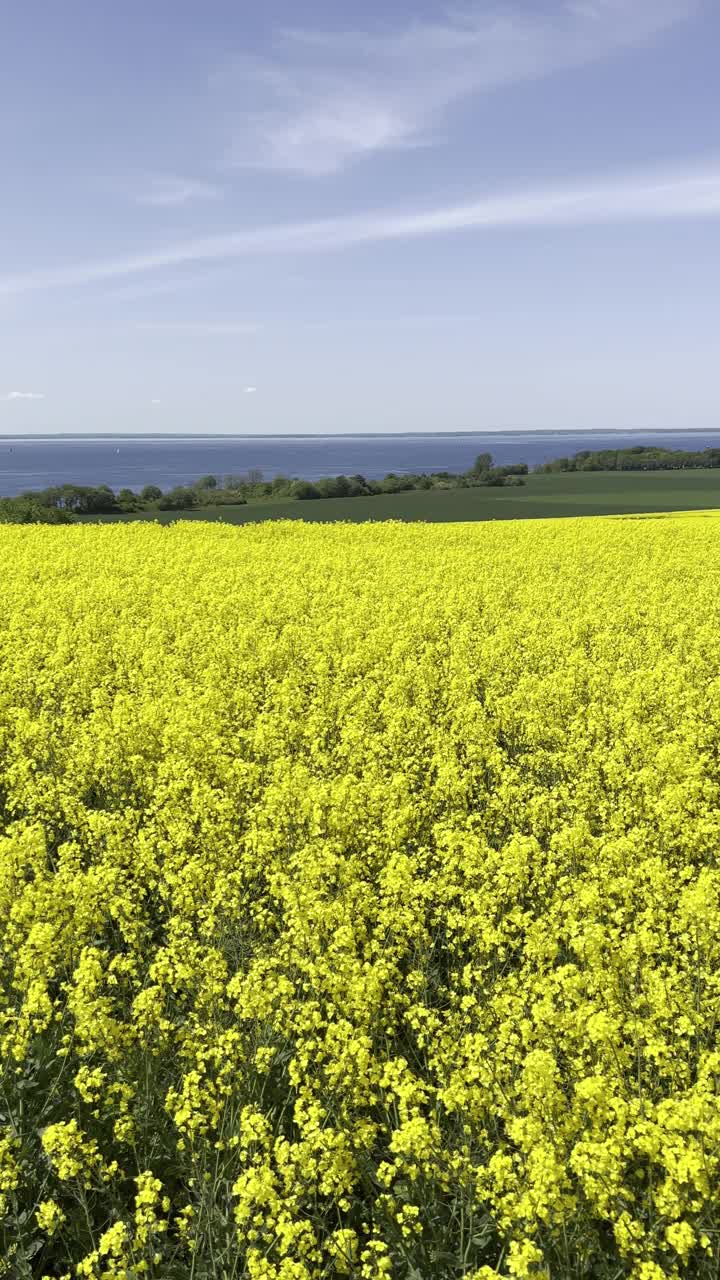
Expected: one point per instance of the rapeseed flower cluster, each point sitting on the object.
(359, 901)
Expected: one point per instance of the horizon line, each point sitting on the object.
(356, 435)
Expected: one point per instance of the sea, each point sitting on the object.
(125, 461)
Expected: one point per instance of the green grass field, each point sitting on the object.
(590, 493)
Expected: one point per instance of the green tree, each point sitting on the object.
(303, 490)
(482, 463)
(28, 510)
(179, 499)
(82, 500)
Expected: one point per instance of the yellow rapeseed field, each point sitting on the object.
(359, 901)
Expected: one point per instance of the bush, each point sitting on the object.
(151, 493)
(393, 483)
(303, 490)
(27, 510)
(221, 498)
(79, 499)
(482, 463)
(179, 499)
(96, 501)
(334, 487)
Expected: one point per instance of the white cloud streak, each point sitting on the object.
(165, 191)
(140, 290)
(250, 391)
(627, 198)
(203, 328)
(24, 395)
(321, 100)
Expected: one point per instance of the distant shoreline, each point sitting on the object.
(357, 435)
(128, 460)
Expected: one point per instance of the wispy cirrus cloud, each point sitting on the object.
(322, 99)
(165, 191)
(624, 198)
(140, 290)
(203, 328)
(24, 395)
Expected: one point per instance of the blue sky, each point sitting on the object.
(223, 217)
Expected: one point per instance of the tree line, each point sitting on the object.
(638, 458)
(64, 503)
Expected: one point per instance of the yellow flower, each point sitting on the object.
(50, 1216)
(681, 1237)
(358, 894)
